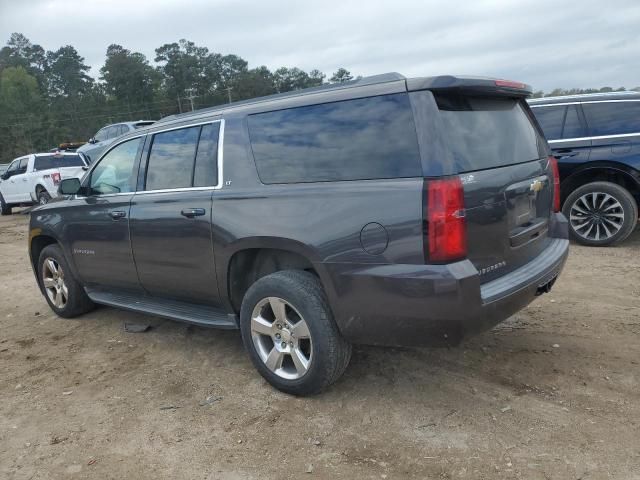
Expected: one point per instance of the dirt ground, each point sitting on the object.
(554, 393)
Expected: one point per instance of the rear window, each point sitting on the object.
(612, 118)
(485, 132)
(45, 162)
(360, 139)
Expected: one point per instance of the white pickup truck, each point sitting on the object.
(34, 178)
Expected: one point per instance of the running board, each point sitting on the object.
(202, 315)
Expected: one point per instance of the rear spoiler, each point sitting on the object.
(471, 86)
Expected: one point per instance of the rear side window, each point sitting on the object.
(45, 162)
(486, 132)
(550, 119)
(184, 158)
(351, 140)
(612, 118)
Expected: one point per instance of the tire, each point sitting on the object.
(600, 214)
(75, 302)
(43, 197)
(5, 208)
(326, 351)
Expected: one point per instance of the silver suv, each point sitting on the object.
(106, 135)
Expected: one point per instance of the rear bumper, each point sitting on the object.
(417, 305)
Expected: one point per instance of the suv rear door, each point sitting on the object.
(171, 214)
(500, 155)
(614, 127)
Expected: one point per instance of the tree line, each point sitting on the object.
(47, 97)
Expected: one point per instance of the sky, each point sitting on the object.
(544, 43)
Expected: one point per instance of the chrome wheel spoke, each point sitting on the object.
(261, 326)
(299, 361)
(278, 306)
(301, 330)
(49, 282)
(274, 359)
(54, 284)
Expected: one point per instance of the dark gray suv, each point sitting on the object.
(386, 211)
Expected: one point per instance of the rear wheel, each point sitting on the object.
(289, 331)
(63, 292)
(601, 213)
(5, 208)
(43, 197)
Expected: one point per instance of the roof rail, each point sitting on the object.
(582, 95)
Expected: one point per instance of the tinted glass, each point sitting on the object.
(550, 119)
(113, 132)
(171, 159)
(45, 162)
(486, 132)
(206, 169)
(14, 166)
(356, 139)
(114, 173)
(101, 135)
(572, 126)
(612, 118)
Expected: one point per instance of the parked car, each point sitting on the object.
(596, 139)
(35, 178)
(106, 135)
(386, 211)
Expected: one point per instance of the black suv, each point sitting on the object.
(596, 139)
(387, 211)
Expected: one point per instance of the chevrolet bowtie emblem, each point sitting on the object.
(536, 186)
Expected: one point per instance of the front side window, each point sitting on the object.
(172, 158)
(13, 168)
(115, 172)
(550, 119)
(361, 139)
(22, 168)
(612, 118)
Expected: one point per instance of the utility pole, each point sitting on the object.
(191, 97)
(228, 89)
(179, 104)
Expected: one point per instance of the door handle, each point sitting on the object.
(117, 214)
(565, 153)
(192, 212)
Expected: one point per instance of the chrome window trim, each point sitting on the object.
(599, 137)
(583, 102)
(218, 186)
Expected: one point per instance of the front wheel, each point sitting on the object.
(5, 208)
(63, 292)
(601, 214)
(43, 197)
(289, 331)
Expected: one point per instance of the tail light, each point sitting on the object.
(55, 177)
(553, 162)
(446, 233)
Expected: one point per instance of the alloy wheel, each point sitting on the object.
(53, 281)
(281, 338)
(596, 216)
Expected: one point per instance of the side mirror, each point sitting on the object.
(69, 186)
(93, 140)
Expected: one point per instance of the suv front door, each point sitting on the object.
(97, 226)
(171, 216)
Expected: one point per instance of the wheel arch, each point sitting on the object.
(251, 259)
(617, 173)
